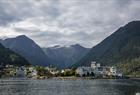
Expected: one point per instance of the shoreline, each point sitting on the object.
(69, 78)
(24, 79)
(135, 78)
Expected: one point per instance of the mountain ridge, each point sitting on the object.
(27, 48)
(119, 46)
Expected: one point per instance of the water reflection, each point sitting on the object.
(69, 87)
(14, 87)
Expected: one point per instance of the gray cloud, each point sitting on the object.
(65, 22)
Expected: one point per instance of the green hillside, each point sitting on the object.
(9, 57)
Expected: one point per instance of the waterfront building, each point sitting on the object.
(34, 73)
(85, 71)
(62, 71)
(97, 70)
(31, 72)
(113, 71)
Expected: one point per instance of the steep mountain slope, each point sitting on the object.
(122, 45)
(130, 67)
(28, 49)
(9, 57)
(65, 56)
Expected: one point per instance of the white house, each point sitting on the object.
(98, 70)
(113, 71)
(85, 71)
(95, 69)
(93, 64)
(33, 71)
(62, 71)
(80, 71)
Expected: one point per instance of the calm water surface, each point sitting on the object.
(68, 87)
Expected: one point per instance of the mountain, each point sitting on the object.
(121, 46)
(28, 49)
(9, 57)
(65, 56)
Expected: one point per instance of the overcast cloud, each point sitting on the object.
(65, 22)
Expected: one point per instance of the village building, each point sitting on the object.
(31, 72)
(52, 71)
(85, 71)
(97, 70)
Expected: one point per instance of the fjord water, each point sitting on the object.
(69, 87)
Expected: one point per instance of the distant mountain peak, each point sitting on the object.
(56, 46)
(66, 46)
(64, 56)
(3, 37)
(76, 45)
(27, 48)
(22, 37)
(133, 23)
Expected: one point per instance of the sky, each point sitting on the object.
(65, 22)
